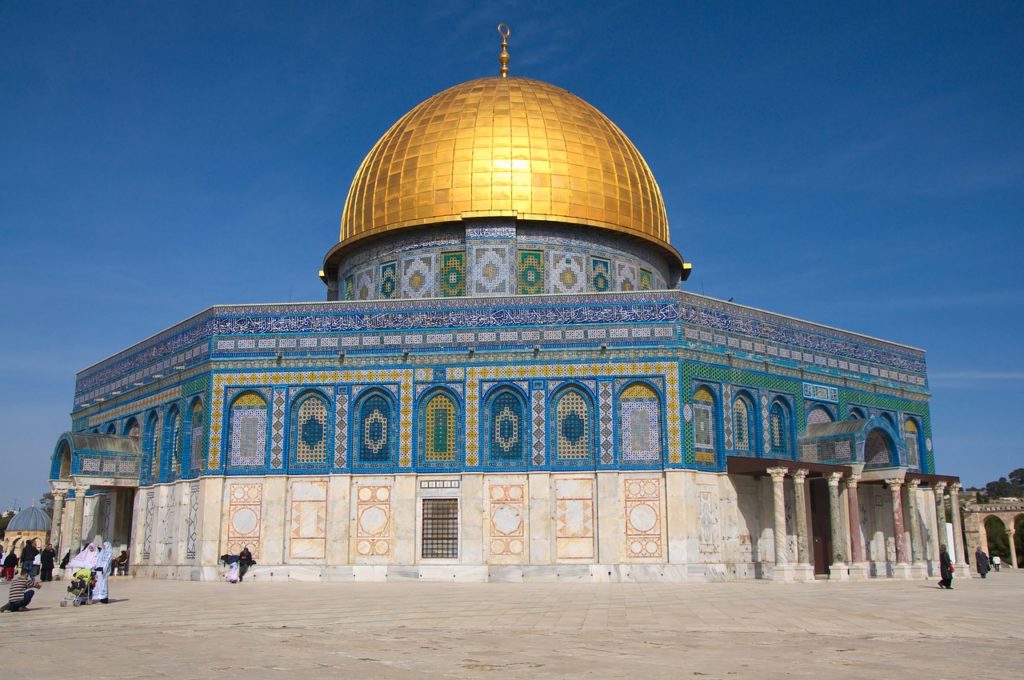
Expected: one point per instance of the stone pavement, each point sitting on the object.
(879, 629)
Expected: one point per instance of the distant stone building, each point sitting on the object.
(29, 524)
(506, 382)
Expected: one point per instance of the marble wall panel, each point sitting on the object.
(574, 518)
(245, 514)
(307, 526)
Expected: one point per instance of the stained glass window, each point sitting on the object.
(912, 435)
(174, 445)
(151, 445)
(438, 424)
(248, 444)
(196, 452)
(310, 434)
(741, 424)
(778, 420)
(704, 419)
(639, 424)
(572, 437)
(506, 429)
(373, 430)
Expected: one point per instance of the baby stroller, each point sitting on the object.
(80, 588)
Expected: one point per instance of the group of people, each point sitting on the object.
(984, 564)
(22, 570)
(237, 565)
(39, 562)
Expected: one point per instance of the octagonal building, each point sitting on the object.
(506, 382)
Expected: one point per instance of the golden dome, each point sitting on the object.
(505, 147)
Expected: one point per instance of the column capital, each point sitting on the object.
(894, 483)
(956, 488)
(940, 488)
(800, 474)
(778, 473)
(833, 478)
(852, 481)
(913, 484)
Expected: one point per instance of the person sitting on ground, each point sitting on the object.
(121, 564)
(245, 561)
(19, 595)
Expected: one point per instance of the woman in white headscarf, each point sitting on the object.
(103, 564)
(86, 559)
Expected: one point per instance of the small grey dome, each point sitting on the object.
(30, 519)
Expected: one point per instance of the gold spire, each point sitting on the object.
(504, 31)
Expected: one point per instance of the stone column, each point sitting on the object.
(783, 571)
(939, 538)
(838, 569)
(1010, 531)
(859, 568)
(58, 514)
(802, 535)
(76, 519)
(958, 530)
(916, 548)
(901, 568)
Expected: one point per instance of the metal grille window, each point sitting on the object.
(440, 528)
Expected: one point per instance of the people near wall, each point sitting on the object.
(104, 563)
(20, 593)
(10, 563)
(64, 560)
(997, 562)
(121, 564)
(231, 562)
(245, 561)
(47, 560)
(945, 568)
(28, 558)
(981, 562)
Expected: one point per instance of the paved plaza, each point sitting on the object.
(169, 629)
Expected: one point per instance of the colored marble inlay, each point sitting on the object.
(453, 274)
(531, 272)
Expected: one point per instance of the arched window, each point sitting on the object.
(913, 442)
(131, 428)
(878, 449)
(778, 429)
(195, 457)
(375, 441)
(505, 429)
(742, 423)
(639, 425)
(888, 417)
(248, 444)
(573, 420)
(704, 419)
(437, 430)
(819, 415)
(309, 431)
(171, 466)
(111, 428)
(151, 447)
(856, 413)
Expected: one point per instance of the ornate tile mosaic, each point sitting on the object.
(531, 272)
(453, 274)
(419, 277)
(388, 281)
(600, 275)
(640, 425)
(567, 275)
(340, 429)
(490, 269)
(277, 436)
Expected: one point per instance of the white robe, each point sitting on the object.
(103, 566)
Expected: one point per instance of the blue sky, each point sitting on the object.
(856, 164)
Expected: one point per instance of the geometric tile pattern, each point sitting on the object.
(531, 272)
(248, 432)
(727, 425)
(646, 280)
(600, 275)
(418, 277)
(307, 526)
(573, 423)
(640, 425)
(643, 517)
(340, 429)
(626, 275)
(537, 397)
(506, 525)
(389, 280)
(566, 273)
(277, 429)
(310, 437)
(506, 428)
(147, 532)
(490, 272)
(605, 408)
(438, 428)
(453, 274)
(574, 518)
(245, 510)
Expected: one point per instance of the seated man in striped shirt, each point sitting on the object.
(20, 594)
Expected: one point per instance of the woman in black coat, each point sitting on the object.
(945, 569)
